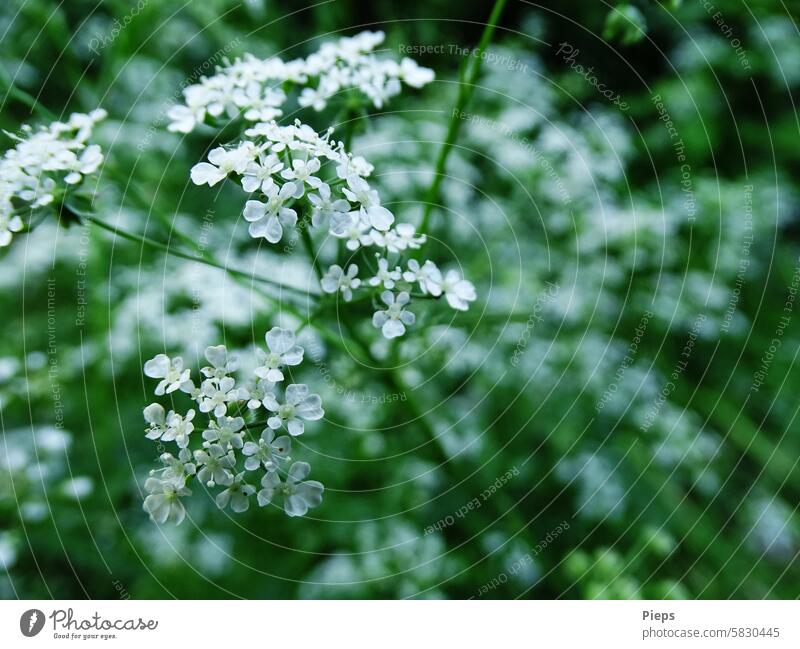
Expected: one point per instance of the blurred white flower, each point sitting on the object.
(337, 280)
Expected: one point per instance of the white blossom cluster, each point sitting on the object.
(298, 178)
(224, 453)
(253, 88)
(31, 173)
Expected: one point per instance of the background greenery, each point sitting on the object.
(548, 183)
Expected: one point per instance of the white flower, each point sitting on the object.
(256, 392)
(268, 219)
(384, 275)
(237, 494)
(164, 503)
(457, 291)
(393, 320)
(302, 172)
(258, 175)
(267, 451)
(169, 370)
(358, 191)
(216, 394)
(425, 275)
(414, 74)
(324, 207)
(282, 351)
(403, 236)
(221, 363)
(179, 428)
(337, 280)
(350, 226)
(226, 431)
(156, 417)
(88, 162)
(221, 163)
(214, 465)
(299, 405)
(298, 496)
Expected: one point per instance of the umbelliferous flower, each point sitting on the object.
(216, 394)
(337, 280)
(282, 352)
(299, 405)
(268, 219)
(214, 465)
(169, 370)
(299, 495)
(457, 291)
(267, 451)
(222, 363)
(223, 444)
(237, 494)
(392, 320)
(226, 431)
(41, 160)
(384, 275)
(163, 502)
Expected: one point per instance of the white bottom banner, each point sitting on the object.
(135, 623)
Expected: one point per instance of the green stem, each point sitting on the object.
(467, 78)
(138, 238)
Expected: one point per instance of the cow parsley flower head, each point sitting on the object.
(254, 88)
(43, 165)
(227, 448)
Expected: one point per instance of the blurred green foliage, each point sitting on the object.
(692, 493)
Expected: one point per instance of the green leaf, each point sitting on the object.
(626, 24)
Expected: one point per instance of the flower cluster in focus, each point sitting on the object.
(224, 452)
(254, 88)
(299, 179)
(34, 172)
